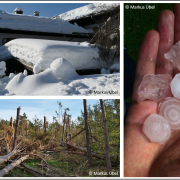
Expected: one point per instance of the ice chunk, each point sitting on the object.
(63, 69)
(174, 55)
(175, 86)
(170, 110)
(154, 87)
(157, 128)
(2, 68)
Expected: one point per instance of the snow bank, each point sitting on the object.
(48, 82)
(2, 68)
(91, 85)
(38, 23)
(41, 53)
(87, 10)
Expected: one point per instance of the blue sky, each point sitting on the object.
(41, 107)
(45, 9)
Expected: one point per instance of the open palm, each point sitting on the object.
(142, 157)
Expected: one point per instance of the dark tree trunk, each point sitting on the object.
(108, 159)
(26, 128)
(11, 122)
(45, 125)
(64, 125)
(16, 128)
(87, 133)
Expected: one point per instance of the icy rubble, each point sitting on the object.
(157, 128)
(154, 87)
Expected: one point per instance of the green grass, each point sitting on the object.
(137, 22)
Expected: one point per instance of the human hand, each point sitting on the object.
(141, 157)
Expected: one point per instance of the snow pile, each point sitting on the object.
(37, 23)
(2, 68)
(41, 53)
(115, 68)
(48, 82)
(63, 69)
(87, 10)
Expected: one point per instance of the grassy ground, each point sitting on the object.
(137, 22)
(64, 165)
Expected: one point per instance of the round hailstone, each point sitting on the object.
(175, 86)
(170, 110)
(157, 128)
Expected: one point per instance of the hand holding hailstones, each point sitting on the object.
(159, 88)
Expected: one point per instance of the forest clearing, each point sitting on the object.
(87, 148)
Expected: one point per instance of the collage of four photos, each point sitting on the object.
(60, 89)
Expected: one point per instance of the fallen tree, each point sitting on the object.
(33, 171)
(75, 134)
(8, 156)
(79, 148)
(12, 165)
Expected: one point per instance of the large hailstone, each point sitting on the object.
(157, 128)
(170, 110)
(175, 86)
(174, 54)
(154, 87)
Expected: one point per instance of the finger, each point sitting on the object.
(146, 59)
(176, 29)
(165, 28)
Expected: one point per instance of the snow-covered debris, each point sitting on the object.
(87, 10)
(63, 69)
(115, 68)
(105, 71)
(48, 83)
(38, 23)
(41, 53)
(2, 68)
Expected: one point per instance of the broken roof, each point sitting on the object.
(38, 23)
(88, 10)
